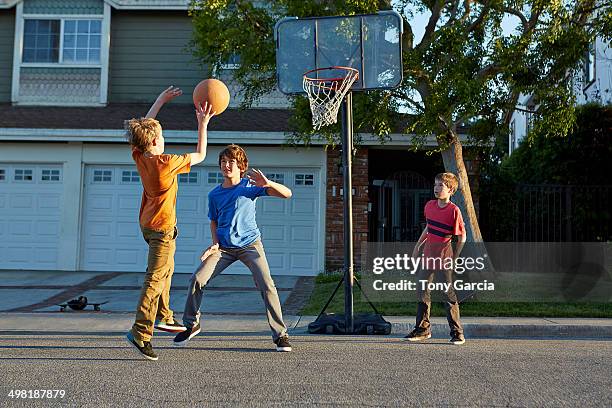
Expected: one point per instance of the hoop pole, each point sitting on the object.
(347, 152)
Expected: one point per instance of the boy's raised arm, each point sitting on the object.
(203, 113)
(166, 96)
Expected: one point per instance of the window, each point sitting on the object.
(215, 177)
(188, 178)
(276, 177)
(80, 45)
(2, 174)
(50, 175)
(103, 176)
(304, 179)
(130, 176)
(24, 175)
(512, 136)
(589, 66)
(232, 62)
(41, 40)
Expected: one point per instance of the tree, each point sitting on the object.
(464, 71)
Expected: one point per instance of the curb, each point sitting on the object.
(516, 330)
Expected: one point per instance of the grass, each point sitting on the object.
(325, 284)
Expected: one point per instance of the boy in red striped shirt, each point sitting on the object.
(443, 221)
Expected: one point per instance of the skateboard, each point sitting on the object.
(80, 304)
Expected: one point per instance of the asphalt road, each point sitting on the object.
(223, 370)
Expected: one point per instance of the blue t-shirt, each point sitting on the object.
(233, 209)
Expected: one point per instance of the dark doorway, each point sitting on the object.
(401, 182)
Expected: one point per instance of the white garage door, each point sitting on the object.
(30, 212)
(112, 240)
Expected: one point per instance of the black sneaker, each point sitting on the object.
(418, 335)
(457, 339)
(145, 351)
(183, 338)
(282, 344)
(170, 327)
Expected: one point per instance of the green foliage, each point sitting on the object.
(465, 70)
(579, 159)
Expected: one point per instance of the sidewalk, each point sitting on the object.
(232, 304)
(112, 323)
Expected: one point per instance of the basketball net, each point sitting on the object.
(326, 94)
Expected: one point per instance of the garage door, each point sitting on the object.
(30, 212)
(112, 240)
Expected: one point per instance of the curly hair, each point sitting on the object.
(450, 180)
(235, 152)
(140, 133)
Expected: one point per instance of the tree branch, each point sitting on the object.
(489, 71)
(479, 19)
(431, 25)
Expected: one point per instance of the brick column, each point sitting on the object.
(334, 245)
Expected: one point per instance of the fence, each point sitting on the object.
(547, 213)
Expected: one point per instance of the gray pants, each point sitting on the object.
(254, 257)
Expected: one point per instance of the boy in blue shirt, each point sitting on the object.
(235, 236)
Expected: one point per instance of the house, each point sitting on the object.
(71, 71)
(592, 84)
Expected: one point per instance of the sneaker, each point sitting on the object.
(418, 335)
(457, 339)
(183, 338)
(282, 344)
(145, 351)
(170, 327)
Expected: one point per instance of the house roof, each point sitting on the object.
(172, 117)
(149, 4)
(8, 3)
(129, 4)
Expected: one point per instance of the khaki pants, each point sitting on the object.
(154, 302)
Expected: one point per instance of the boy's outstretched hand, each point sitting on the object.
(204, 113)
(258, 178)
(166, 96)
(169, 94)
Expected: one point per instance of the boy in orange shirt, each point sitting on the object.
(158, 174)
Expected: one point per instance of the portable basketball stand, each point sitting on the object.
(305, 43)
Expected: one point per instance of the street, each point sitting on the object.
(223, 369)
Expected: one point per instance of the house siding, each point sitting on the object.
(63, 7)
(7, 39)
(148, 53)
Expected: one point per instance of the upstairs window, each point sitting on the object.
(82, 41)
(41, 39)
(65, 41)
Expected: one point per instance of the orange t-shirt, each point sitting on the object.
(160, 185)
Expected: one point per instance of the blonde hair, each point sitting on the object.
(140, 133)
(450, 180)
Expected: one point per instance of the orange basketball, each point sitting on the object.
(214, 92)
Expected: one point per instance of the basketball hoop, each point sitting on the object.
(326, 94)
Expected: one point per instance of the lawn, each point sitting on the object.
(483, 305)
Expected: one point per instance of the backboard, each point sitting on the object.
(370, 43)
